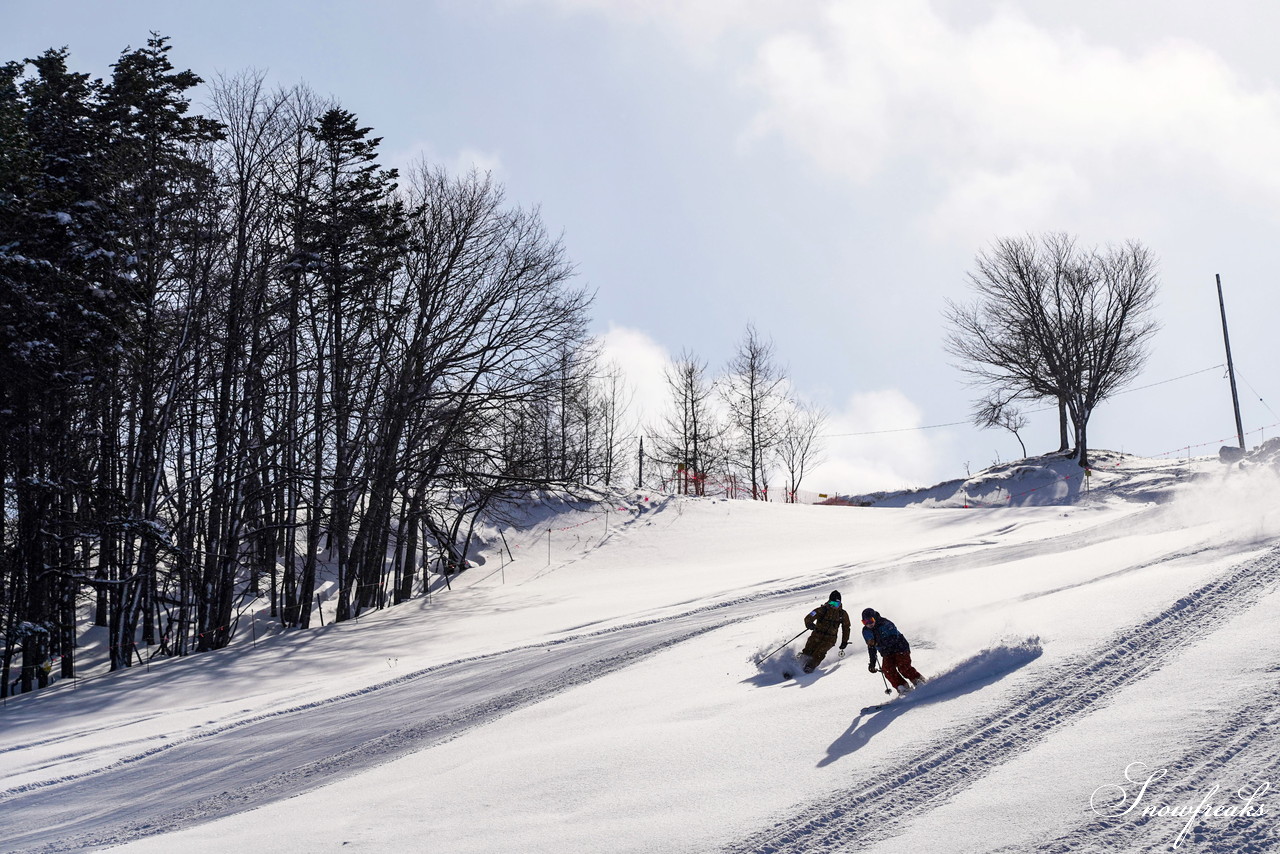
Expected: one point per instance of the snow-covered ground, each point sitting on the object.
(1103, 653)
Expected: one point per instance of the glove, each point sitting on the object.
(871, 668)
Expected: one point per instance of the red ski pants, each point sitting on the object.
(897, 668)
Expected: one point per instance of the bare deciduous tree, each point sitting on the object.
(754, 393)
(800, 443)
(997, 411)
(1053, 321)
(688, 440)
(611, 398)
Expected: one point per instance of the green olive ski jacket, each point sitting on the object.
(826, 620)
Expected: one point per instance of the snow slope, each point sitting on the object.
(605, 691)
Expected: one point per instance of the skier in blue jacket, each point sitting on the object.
(883, 636)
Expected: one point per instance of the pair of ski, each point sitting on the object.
(867, 710)
(892, 701)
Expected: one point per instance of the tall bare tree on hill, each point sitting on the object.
(1052, 321)
(688, 440)
(755, 393)
(800, 446)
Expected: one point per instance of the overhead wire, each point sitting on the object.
(1255, 391)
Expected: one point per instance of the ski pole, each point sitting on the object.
(886, 683)
(802, 631)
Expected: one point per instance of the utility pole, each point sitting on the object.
(1231, 371)
(640, 485)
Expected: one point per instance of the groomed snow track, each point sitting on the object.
(277, 756)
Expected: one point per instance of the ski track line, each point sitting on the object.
(53, 819)
(874, 809)
(931, 561)
(1244, 747)
(70, 736)
(751, 604)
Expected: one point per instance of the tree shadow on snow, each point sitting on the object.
(973, 674)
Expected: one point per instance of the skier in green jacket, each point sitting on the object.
(824, 622)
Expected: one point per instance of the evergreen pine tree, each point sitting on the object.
(60, 283)
(351, 244)
(159, 186)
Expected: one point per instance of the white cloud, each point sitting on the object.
(1030, 197)
(700, 26)
(875, 443)
(1013, 121)
(470, 158)
(968, 121)
(1011, 124)
(458, 163)
(643, 362)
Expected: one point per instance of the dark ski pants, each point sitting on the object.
(897, 668)
(817, 647)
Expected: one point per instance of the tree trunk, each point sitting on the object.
(1064, 434)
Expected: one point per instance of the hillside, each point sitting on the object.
(598, 686)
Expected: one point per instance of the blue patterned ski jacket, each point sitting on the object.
(884, 636)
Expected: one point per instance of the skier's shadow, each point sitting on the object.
(972, 675)
(788, 672)
(788, 679)
(856, 736)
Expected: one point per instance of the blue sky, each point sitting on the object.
(824, 170)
